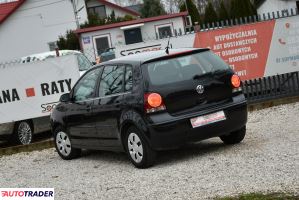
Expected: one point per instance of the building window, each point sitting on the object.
(133, 36)
(52, 46)
(297, 4)
(98, 10)
(164, 31)
(101, 43)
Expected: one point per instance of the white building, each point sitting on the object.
(33, 26)
(95, 40)
(269, 6)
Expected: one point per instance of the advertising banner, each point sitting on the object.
(256, 50)
(253, 50)
(245, 48)
(31, 90)
(284, 50)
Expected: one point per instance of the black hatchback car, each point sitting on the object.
(151, 101)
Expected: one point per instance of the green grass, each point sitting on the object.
(258, 196)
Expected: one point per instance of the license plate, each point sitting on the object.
(207, 119)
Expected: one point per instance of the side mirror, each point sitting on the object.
(65, 97)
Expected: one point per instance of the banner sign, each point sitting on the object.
(284, 50)
(30, 90)
(245, 48)
(256, 50)
(253, 50)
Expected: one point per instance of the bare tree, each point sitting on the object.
(126, 2)
(172, 6)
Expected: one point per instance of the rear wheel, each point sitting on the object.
(64, 146)
(23, 133)
(138, 150)
(234, 137)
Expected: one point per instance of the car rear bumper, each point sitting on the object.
(178, 132)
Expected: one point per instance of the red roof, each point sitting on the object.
(132, 22)
(132, 12)
(6, 9)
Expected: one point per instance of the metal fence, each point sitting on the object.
(271, 87)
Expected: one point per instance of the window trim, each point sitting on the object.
(162, 26)
(97, 82)
(108, 35)
(85, 60)
(134, 42)
(96, 96)
(100, 78)
(124, 81)
(94, 7)
(108, 96)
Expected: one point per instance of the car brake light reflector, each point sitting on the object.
(235, 80)
(153, 102)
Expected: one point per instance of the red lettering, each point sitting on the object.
(4, 194)
(20, 193)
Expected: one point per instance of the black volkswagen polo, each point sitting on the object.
(151, 101)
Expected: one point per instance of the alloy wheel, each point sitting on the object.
(24, 133)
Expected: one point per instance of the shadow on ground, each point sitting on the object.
(36, 138)
(168, 157)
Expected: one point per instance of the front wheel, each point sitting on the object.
(23, 133)
(234, 137)
(138, 150)
(64, 146)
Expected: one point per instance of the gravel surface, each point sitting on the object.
(267, 161)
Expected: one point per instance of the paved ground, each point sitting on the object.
(267, 161)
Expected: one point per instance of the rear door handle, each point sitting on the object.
(88, 108)
(117, 104)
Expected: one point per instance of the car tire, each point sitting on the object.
(22, 134)
(138, 150)
(63, 145)
(234, 137)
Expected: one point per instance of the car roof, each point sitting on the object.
(151, 55)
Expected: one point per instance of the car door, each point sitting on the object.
(79, 116)
(107, 107)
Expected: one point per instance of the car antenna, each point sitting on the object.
(168, 46)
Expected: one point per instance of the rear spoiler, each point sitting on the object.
(177, 54)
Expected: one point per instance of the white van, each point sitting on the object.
(31, 87)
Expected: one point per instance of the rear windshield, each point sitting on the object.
(184, 68)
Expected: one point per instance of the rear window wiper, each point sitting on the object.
(217, 71)
(198, 76)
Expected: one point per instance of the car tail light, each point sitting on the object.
(236, 83)
(235, 80)
(153, 102)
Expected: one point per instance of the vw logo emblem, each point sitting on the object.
(200, 89)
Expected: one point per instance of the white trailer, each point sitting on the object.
(30, 89)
